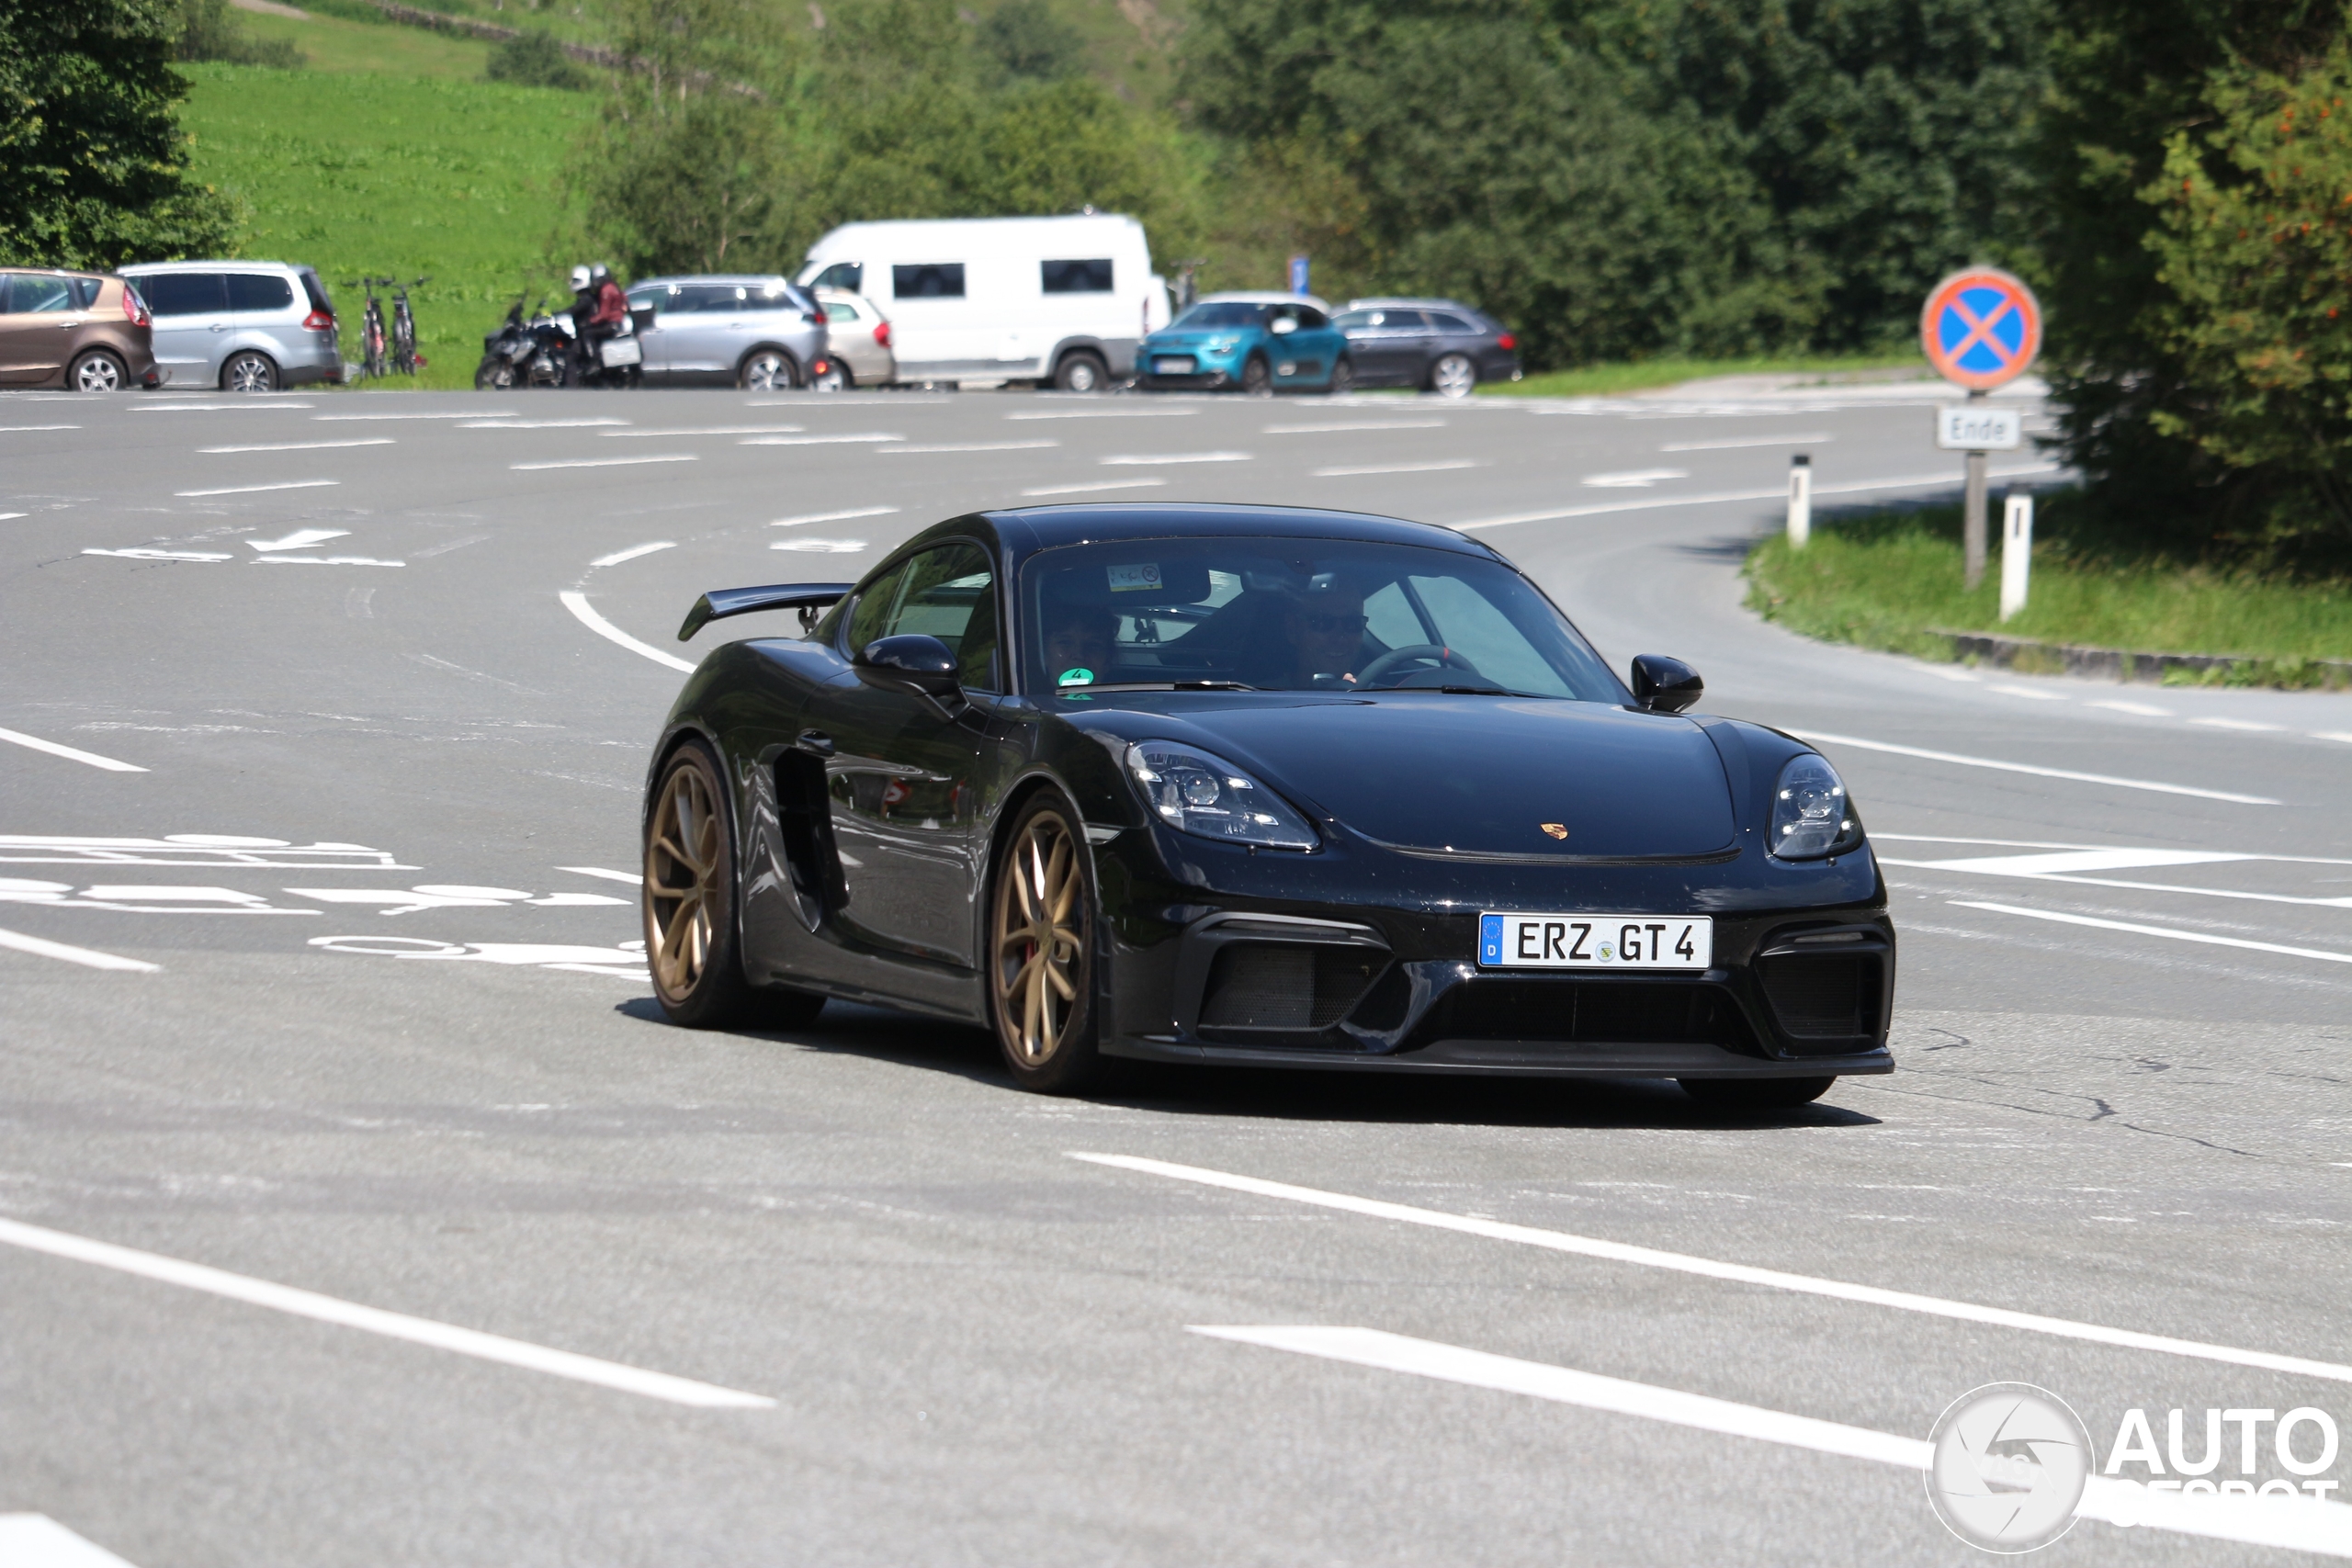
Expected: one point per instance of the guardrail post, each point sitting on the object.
(1800, 500)
(2016, 551)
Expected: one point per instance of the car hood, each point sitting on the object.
(1190, 340)
(1481, 775)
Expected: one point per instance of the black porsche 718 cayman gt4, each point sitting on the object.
(1252, 784)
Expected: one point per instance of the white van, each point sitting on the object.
(981, 302)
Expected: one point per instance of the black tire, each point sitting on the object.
(1453, 376)
(98, 371)
(1257, 378)
(496, 374)
(767, 370)
(1343, 376)
(691, 948)
(1050, 1046)
(249, 370)
(1081, 371)
(1755, 1094)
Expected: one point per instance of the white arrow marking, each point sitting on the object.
(300, 538)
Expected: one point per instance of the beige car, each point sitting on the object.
(857, 344)
(83, 330)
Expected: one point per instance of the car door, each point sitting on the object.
(35, 318)
(654, 340)
(191, 312)
(698, 331)
(1302, 353)
(902, 784)
(1380, 344)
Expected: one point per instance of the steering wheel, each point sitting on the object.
(1443, 657)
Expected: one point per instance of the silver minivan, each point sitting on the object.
(241, 326)
(761, 333)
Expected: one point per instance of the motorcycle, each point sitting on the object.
(546, 351)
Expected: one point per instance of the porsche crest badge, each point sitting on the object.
(1557, 829)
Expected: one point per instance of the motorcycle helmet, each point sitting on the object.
(580, 278)
(600, 274)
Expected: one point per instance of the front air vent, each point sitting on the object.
(1287, 986)
(1825, 1001)
(1590, 1012)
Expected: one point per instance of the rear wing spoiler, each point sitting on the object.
(721, 602)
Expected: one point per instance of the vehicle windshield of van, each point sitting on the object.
(1222, 313)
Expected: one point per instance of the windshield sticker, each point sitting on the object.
(1128, 579)
(1079, 677)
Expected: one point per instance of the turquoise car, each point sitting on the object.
(1251, 342)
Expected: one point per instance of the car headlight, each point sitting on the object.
(1811, 815)
(1207, 796)
(1220, 345)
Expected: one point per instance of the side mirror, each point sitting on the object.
(1283, 325)
(910, 663)
(1665, 685)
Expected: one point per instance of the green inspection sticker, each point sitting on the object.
(1079, 677)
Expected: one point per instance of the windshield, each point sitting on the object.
(1296, 615)
(1223, 313)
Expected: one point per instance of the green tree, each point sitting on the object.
(95, 167)
(1029, 42)
(208, 32)
(535, 59)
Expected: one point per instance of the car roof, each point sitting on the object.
(211, 266)
(1400, 302)
(1263, 296)
(746, 278)
(1087, 523)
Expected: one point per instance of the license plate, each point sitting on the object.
(1596, 942)
(1172, 367)
(621, 351)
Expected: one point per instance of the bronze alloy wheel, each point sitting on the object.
(689, 895)
(1039, 947)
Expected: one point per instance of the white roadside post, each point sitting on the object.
(1800, 500)
(2016, 552)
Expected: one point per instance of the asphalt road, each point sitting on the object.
(378, 1033)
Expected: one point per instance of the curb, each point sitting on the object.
(2031, 657)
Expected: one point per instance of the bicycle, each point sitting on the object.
(371, 329)
(404, 356)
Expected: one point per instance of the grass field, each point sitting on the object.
(338, 43)
(1637, 376)
(414, 175)
(1882, 580)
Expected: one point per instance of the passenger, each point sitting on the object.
(1325, 629)
(1081, 642)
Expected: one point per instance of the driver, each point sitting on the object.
(1081, 642)
(1324, 627)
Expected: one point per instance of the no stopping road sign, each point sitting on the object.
(1981, 328)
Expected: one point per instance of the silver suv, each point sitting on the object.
(242, 326)
(761, 333)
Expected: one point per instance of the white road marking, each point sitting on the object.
(6, 516)
(512, 424)
(70, 754)
(2035, 692)
(456, 413)
(1353, 427)
(1101, 413)
(633, 552)
(1736, 1273)
(255, 490)
(832, 517)
(1809, 438)
(300, 538)
(817, 440)
(191, 850)
(2079, 859)
(2300, 1523)
(605, 462)
(1154, 461)
(325, 560)
(1924, 481)
(140, 900)
(2332, 735)
(22, 429)
(35, 1540)
(212, 408)
(1437, 466)
(300, 446)
(626, 961)
(160, 555)
(2145, 710)
(1957, 758)
(375, 1320)
(2246, 724)
(969, 446)
(705, 430)
(89, 958)
(578, 604)
(1094, 485)
(2167, 932)
(1636, 479)
(821, 547)
(631, 877)
(404, 901)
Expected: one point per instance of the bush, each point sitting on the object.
(208, 32)
(536, 60)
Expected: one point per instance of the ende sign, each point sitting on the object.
(1974, 427)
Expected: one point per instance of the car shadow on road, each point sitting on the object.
(1291, 1095)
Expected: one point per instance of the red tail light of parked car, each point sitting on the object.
(882, 334)
(1507, 342)
(134, 307)
(320, 321)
